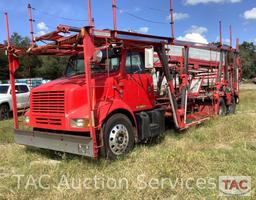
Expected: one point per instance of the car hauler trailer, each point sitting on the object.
(120, 88)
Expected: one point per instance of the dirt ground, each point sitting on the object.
(248, 86)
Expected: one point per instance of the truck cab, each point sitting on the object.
(122, 89)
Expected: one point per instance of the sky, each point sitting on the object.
(195, 20)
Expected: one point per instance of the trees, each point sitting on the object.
(248, 59)
(4, 73)
(52, 67)
(47, 67)
(23, 71)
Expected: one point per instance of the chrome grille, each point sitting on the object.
(52, 102)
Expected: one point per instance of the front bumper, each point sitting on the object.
(79, 145)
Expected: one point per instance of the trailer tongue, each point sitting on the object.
(121, 87)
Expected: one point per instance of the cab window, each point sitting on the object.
(75, 66)
(134, 63)
(109, 63)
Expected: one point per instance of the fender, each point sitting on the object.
(107, 108)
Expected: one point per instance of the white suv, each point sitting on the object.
(22, 95)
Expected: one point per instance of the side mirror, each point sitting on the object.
(149, 58)
(98, 56)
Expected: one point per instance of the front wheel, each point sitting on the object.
(4, 112)
(118, 136)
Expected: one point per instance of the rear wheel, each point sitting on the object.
(118, 136)
(222, 108)
(232, 106)
(4, 112)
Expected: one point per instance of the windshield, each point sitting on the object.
(75, 66)
(4, 89)
(108, 63)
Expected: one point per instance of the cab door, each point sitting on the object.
(138, 91)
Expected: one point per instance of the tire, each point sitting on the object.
(4, 112)
(222, 108)
(118, 136)
(232, 107)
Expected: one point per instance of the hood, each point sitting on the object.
(64, 83)
(73, 87)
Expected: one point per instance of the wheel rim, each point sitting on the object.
(118, 139)
(4, 113)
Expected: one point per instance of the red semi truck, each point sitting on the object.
(122, 88)
(113, 94)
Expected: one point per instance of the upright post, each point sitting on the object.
(12, 78)
(221, 57)
(236, 69)
(216, 96)
(90, 15)
(31, 24)
(231, 38)
(220, 33)
(89, 48)
(114, 14)
(184, 84)
(237, 44)
(172, 19)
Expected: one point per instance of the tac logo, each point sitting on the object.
(234, 185)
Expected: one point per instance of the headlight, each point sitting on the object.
(79, 123)
(27, 119)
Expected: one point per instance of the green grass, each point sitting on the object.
(6, 135)
(221, 146)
